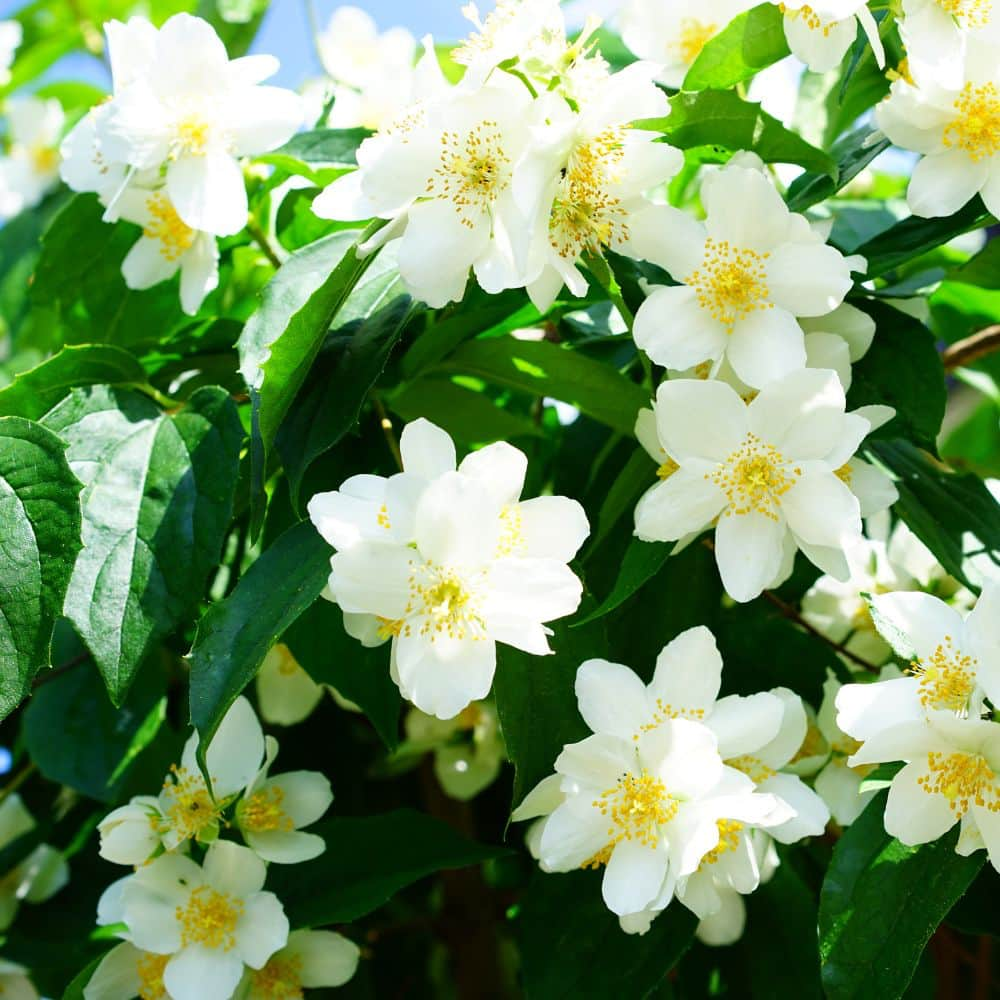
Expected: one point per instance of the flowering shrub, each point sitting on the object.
(577, 448)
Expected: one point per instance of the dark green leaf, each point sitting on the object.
(544, 369)
(954, 515)
(852, 153)
(321, 146)
(40, 514)
(881, 901)
(643, 560)
(751, 42)
(367, 861)
(234, 635)
(157, 501)
(916, 389)
(572, 946)
(33, 393)
(75, 989)
(983, 270)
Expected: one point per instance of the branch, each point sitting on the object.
(260, 238)
(57, 672)
(965, 352)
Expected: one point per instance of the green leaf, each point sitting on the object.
(634, 479)
(643, 560)
(33, 393)
(327, 147)
(280, 342)
(881, 901)
(751, 42)
(330, 402)
(954, 515)
(465, 414)
(330, 656)
(75, 989)
(536, 701)
(157, 501)
(982, 270)
(544, 369)
(94, 738)
(852, 153)
(916, 389)
(722, 118)
(367, 861)
(573, 947)
(40, 514)
(234, 635)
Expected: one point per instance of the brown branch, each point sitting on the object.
(965, 352)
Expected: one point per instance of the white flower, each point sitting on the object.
(272, 812)
(38, 876)
(747, 273)
(185, 808)
(583, 177)
(31, 167)
(935, 34)
(310, 960)
(820, 33)
(196, 112)
(14, 982)
(956, 129)
(168, 245)
(468, 750)
(11, 34)
(212, 921)
(954, 663)
(126, 972)
(674, 34)
(769, 471)
(286, 694)
(443, 174)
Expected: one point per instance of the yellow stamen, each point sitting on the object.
(976, 129)
(729, 840)
(754, 478)
(150, 968)
(280, 979)
(964, 779)
(165, 225)
(693, 37)
(731, 282)
(947, 678)
(263, 811)
(209, 918)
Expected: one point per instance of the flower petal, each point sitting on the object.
(611, 698)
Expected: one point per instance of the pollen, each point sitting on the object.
(731, 282)
(383, 517)
(665, 712)
(280, 979)
(976, 128)
(191, 135)
(964, 779)
(969, 13)
(150, 968)
(692, 38)
(845, 474)
(473, 171)
(637, 807)
(753, 767)
(729, 840)
(947, 678)
(165, 225)
(189, 807)
(511, 531)
(263, 811)
(209, 918)
(754, 478)
(668, 468)
(443, 606)
(44, 159)
(809, 18)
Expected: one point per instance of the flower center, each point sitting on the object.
(44, 159)
(209, 918)
(389, 629)
(262, 811)
(637, 807)
(150, 968)
(731, 282)
(444, 604)
(947, 678)
(964, 779)
(473, 171)
(188, 805)
(971, 13)
(165, 225)
(976, 129)
(729, 840)
(191, 135)
(280, 979)
(692, 38)
(753, 767)
(754, 478)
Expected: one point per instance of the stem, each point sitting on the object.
(520, 76)
(260, 238)
(390, 434)
(605, 277)
(19, 779)
(238, 557)
(971, 349)
(57, 672)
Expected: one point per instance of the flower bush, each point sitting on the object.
(513, 518)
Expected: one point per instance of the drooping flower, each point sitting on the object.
(210, 922)
(820, 33)
(196, 112)
(769, 471)
(956, 129)
(746, 275)
(310, 960)
(674, 34)
(30, 169)
(286, 694)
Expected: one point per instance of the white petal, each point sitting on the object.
(743, 725)
(285, 847)
(116, 976)
(919, 623)
(457, 522)
(942, 183)
(675, 331)
(199, 273)
(744, 208)
(208, 192)
(765, 345)
(501, 468)
(669, 238)
(553, 527)
(427, 450)
(198, 972)
(144, 265)
(444, 676)
(570, 839)
(725, 926)
(372, 579)
(234, 755)
(748, 549)
(262, 929)
(808, 279)
(633, 876)
(530, 591)
(912, 814)
(840, 788)
(801, 414)
(696, 419)
(820, 509)
(263, 118)
(688, 672)
(233, 869)
(811, 812)
(688, 501)
(611, 698)
(598, 761)
(327, 959)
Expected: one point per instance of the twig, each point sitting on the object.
(965, 352)
(390, 434)
(19, 779)
(57, 672)
(260, 238)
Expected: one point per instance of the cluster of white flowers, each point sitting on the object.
(678, 792)
(30, 168)
(208, 929)
(164, 151)
(446, 561)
